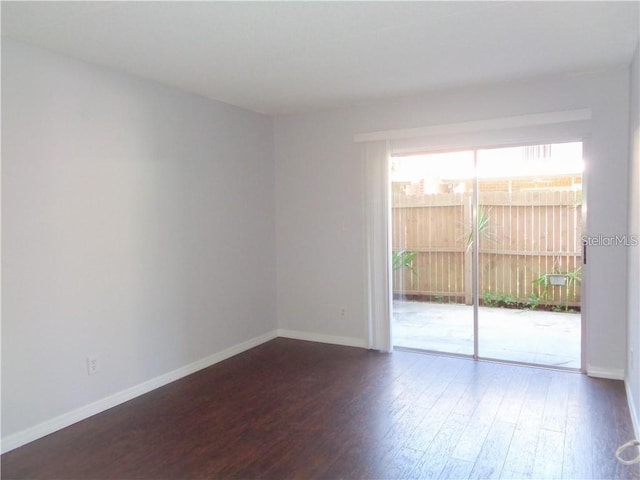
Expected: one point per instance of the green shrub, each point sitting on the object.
(403, 259)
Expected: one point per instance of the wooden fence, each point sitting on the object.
(528, 234)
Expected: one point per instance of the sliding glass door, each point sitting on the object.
(487, 255)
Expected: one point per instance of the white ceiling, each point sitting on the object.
(287, 57)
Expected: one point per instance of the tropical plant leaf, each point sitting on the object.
(484, 219)
(404, 259)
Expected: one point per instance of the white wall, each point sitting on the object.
(319, 200)
(633, 365)
(138, 225)
(319, 227)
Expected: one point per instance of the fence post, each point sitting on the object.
(468, 257)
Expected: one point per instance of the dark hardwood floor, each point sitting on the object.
(293, 409)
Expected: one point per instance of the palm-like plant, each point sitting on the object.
(483, 219)
(403, 259)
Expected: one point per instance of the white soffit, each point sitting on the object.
(519, 121)
(288, 57)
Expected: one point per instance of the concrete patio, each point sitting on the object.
(539, 337)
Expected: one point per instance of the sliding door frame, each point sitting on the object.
(549, 139)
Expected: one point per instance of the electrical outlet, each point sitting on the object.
(93, 365)
(343, 312)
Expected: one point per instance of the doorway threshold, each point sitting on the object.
(487, 359)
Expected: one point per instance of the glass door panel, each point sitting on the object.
(432, 252)
(529, 232)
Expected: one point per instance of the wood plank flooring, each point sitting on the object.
(293, 409)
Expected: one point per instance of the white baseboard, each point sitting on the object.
(632, 411)
(321, 338)
(38, 431)
(610, 373)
